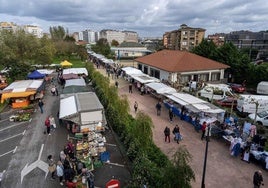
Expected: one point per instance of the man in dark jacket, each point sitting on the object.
(167, 134)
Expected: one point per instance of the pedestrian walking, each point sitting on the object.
(52, 122)
(53, 90)
(208, 132)
(203, 129)
(167, 134)
(182, 112)
(41, 104)
(171, 115)
(176, 132)
(47, 124)
(257, 179)
(51, 166)
(116, 84)
(130, 88)
(158, 107)
(60, 172)
(135, 106)
(142, 90)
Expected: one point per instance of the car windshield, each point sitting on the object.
(262, 114)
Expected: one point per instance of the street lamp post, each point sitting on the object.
(205, 159)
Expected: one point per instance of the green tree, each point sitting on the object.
(180, 172)
(102, 47)
(206, 49)
(57, 33)
(45, 54)
(114, 43)
(17, 70)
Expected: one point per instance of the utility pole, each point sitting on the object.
(205, 159)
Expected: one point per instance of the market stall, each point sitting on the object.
(193, 109)
(158, 89)
(75, 82)
(36, 75)
(78, 71)
(83, 112)
(20, 92)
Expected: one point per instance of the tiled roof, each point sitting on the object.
(179, 61)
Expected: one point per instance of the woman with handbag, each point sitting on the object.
(51, 166)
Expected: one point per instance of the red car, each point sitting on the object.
(227, 102)
(238, 88)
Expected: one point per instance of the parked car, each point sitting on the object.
(237, 88)
(227, 102)
(261, 118)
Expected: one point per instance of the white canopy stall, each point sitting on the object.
(194, 105)
(78, 71)
(83, 109)
(75, 82)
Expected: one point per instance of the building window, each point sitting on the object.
(204, 77)
(140, 67)
(215, 76)
(184, 43)
(155, 73)
(145, 70)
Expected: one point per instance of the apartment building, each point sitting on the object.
(34, 30)
(184, 38)
(217, 38)
(250, 40)
(131, 36)
(119, 36)
(8, 26)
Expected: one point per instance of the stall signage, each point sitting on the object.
(113, 183)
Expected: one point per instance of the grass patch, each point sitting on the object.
(76, 61)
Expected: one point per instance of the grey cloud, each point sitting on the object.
(152, 17)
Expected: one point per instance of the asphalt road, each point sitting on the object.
(24, 150)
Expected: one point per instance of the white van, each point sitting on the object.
(261, 118)
(262, 88)
(215, 92)
(246, 104)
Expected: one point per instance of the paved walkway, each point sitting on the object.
(223, 170)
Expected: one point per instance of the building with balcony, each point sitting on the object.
(8, 26)
(185, 38)
(217, 39)
(250, 40)
(119, 36)
(34, 30)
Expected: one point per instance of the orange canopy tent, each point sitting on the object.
(66, 63)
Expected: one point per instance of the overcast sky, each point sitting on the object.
(149, 18)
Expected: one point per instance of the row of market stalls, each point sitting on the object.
(196, 111)
(100, 59)
(195, 107)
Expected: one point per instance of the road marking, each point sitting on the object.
(13, 136)
(110, 144)
(115, 164)
(11, 126)
(11, 151)
(38, 163)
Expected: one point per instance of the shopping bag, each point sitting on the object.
(52, 168)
